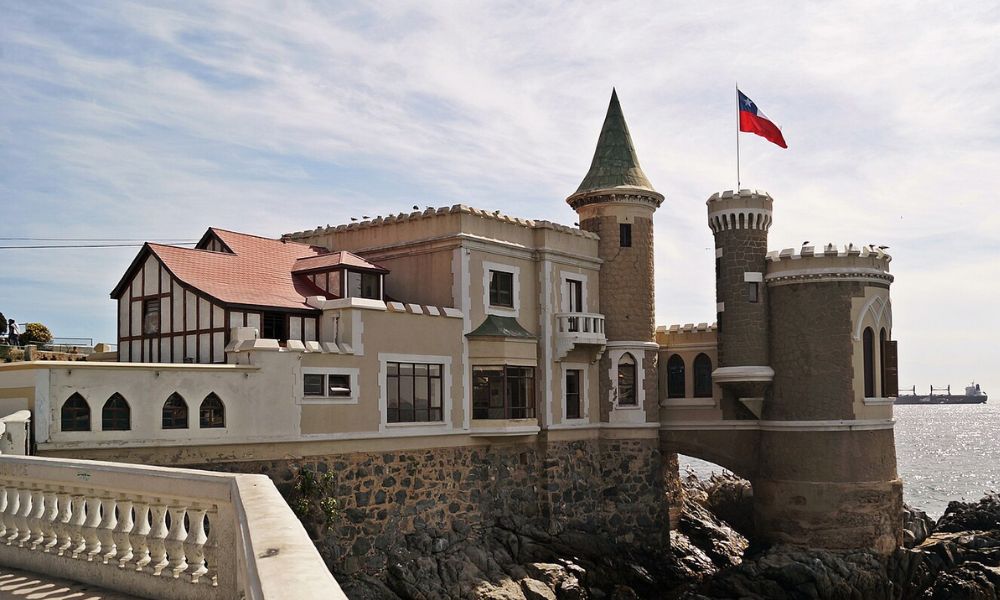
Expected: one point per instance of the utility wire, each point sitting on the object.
(51, 246)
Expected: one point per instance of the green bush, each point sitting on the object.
(35, 333)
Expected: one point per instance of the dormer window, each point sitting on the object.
(361, 284)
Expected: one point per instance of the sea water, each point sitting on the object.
(944, 453)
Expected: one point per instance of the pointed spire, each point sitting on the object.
(615, 163)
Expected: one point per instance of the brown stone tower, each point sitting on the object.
(616, 201)
(740, 221)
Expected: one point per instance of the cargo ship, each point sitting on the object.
(942, 395)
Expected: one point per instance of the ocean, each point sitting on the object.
(944, 453)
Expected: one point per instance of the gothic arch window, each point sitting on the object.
(676, 383)
(212, 413)
(882, 337)
(175, 412)
(76, 414)
(116, 414)
(626, 380)
(868, 349)
(702, 376)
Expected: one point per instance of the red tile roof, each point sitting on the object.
(257, 273)
(333, 259)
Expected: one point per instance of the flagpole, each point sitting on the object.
(737, 137)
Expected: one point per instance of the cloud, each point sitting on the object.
(160, 119)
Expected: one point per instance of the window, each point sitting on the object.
(313, 384)
(212, 413)
(273, 327)
(753, 292)
(363, 285)
(718, 267)
(890, 370)
(339, 386)
(702, 376)
(175, 412)
(501, 289)
(573, 380)
(414, 392)
(868, 350)
(626, 381)
(116, 414)
(625, 235)
(503, 392)
(151, 317)
(574, 291)
(76, 414)
(676, 384)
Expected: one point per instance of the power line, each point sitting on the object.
(64, 239)
(51, 246)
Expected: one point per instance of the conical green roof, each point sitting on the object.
(615, 163)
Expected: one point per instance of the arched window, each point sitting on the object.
(76, 414)
(116, 414)
(175, 412)
(702, 376)
(676, 385)
(868, 348)
(626, 380)
(212, 413)
(881, 363)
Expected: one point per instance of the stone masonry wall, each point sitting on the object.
(626, 295)
(585, 496)
(742, 324)
(811, 333)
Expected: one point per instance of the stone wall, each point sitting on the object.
(742, 325)
(585, 496)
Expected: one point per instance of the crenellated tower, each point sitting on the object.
(740, 222)
(617, 202)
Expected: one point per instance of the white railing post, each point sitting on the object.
(63, 531)
(140, 536)
(3, 510)
(194, 546)
(157, 533)
(123, 543)
(10, 514)
(90, 527)
(36, 527)
(23, 512)
(174, 542)
(78, 543)
(105, 531)
(50, 521)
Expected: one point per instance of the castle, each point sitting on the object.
(512, 367)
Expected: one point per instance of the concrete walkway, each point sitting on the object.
(23, 585)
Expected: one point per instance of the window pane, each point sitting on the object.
(354, 284)
(312, 384)
(421, 392)
(392, 368)
(501, 288)
(435, 370)
(151, 317)
(340, 385)
(573, 394)
(369, 286)
(435, 393)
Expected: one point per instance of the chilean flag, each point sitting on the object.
(754, 121)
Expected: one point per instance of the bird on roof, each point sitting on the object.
(354, 218)
(805, 243)
(365, 217)
(415, 207)
(883, 247)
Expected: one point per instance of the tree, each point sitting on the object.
(35, 333)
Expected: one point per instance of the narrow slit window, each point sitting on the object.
(625, 235)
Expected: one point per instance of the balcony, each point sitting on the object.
(577, 329)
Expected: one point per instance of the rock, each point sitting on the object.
(723, 545)
(970, 516)
(624, 592)
(916, 526)
(506, 589)
(536, 590)
(970, 581)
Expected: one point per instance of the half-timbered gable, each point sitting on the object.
(180, 304)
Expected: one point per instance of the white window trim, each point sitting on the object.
(584, 394)
(627, 414)
(502, 311)
(355, 375)
(564, 279)
(445, 424)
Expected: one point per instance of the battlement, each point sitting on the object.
(689, 333)
(851, 262)
(431, 212)
(745, 209)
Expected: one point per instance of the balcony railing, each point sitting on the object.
(577, 328)
(156, 532)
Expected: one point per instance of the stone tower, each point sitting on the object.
(740, 221)
(617, 202)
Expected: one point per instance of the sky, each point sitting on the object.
(155, 121)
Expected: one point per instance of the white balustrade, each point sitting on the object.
(579, 328)
(155, 532)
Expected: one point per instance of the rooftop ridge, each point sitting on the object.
(431, 212)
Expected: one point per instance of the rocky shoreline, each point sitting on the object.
(712, 556)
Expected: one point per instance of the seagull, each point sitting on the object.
(805, 243)
(354, 218)
(415, 207)
(883, 247)
(365, 217)
(577, 224)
